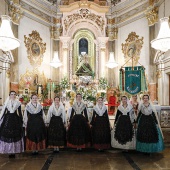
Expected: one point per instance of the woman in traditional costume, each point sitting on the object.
(100, 126)
(123, 133)
(78, 135)
(149, 134)
(34, 121)
(57, 122)
(135, 103)
(11, 127)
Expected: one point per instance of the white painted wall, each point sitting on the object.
(163, 82)
(141, 28)
(26, 27)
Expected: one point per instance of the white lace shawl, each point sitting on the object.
(57, 112)
(129, 109)
(78, 108)
(33, 110)
(11, 105)
(100, 111)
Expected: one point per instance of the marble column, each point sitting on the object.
(65, 56)
(152, 67)
(102, 59)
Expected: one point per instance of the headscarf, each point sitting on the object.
(61, 111)
(127, 109)
(8, 105)
(101, 111)
(78, 109)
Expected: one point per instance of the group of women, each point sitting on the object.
(136, 126)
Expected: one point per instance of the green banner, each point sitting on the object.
(132, 80)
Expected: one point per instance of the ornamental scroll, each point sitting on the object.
(35, 48)
(132, 48)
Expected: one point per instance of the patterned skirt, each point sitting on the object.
(36, 133)
(78, 135)
(123, 134)
(101, 133)
(11, 134)
(56, 132)
(149, 137)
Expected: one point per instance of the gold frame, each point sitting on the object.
(35, 48)
(132, 49)
(32, 78)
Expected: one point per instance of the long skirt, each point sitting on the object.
(123, 134)
(149, 137)
(78, 135)
(56, 132)
(11, 134)
(36, 133)
(101, 133)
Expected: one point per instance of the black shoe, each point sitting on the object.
(12, 156)
(34, 153)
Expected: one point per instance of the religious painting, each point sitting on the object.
(132, 49)
(35, 48)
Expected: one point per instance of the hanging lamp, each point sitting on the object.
(56, 61)
(162, 42)
(7, 40)
(111, 63)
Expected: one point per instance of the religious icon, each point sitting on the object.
(35, 49)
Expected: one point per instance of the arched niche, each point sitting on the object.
(90, 38)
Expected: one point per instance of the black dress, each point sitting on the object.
(100, 131)
(36, 131)
(56, 132)
(79, 135)
(124, 131)
(11, 132)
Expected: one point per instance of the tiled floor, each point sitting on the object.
(87, 160)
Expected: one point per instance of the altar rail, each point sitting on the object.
(164, 116)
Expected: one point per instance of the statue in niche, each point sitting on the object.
(83, 46)
(84, 68)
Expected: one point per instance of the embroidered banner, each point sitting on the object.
(133, 80)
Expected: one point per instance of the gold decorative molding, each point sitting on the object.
(15, 12)
(152, 15)
(112, 33)
(55, 32)
(111, 21)
(84, 14)
(31, 79)
(132, 48)
(66, 7)
(35, 48)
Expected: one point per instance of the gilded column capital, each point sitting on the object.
(15, 12)
(152, 15)
(55, 32)
(112, 33)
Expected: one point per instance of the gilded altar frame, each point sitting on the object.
(35, 48)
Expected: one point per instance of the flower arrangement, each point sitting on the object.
(103, 83)
(64, 84)
(88, 94)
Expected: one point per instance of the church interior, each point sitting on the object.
(64, 47)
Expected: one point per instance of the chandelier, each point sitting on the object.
(7, 40)
(56, 61)
(111, 63)
(162, 42)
